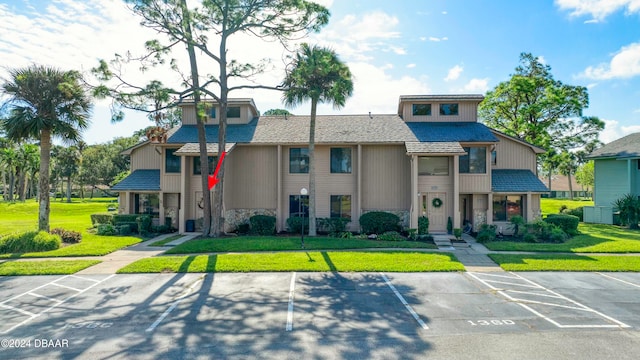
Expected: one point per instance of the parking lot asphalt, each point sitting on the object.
(473, 315)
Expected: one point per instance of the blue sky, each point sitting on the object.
(393, 48)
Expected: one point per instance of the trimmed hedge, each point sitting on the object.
(67, 236)
(568, 223)
(423, 225)
(31, 241)
(391, 236)
(144, 224)
(108, 230)
(101, 219)
(332, 225)
(263, 224)
(294, 224)
(579, 212)
(124, 218)
(379, 222)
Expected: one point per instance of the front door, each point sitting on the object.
(437, 214)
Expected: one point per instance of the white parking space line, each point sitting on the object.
(620, 280)
(173, 306)
(550, 294)
(28, 313)
(84, 278)
(63, 286)
(59, 302)
(292, 289)
(43, 297)
(404, 302)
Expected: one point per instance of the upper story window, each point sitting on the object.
(197, 168)
(448, 109)
(212, 112)
(341, 160)
(298, 161)
(233, 112)
(421, 109)
(494, 158)
(171, 161)
(474, 162)
(433, 165)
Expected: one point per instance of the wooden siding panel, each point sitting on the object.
(251, 177)
(611, 181)
(513, 155)
(467, 112)
(189, 115)
(475, 183)
(386, 180)
(146, 157)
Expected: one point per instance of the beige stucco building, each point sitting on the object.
(432, 152)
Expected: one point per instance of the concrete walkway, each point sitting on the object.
(470, 253)
(120, 258)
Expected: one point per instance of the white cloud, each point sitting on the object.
(477, 86)
(454, 73)
(591, 21)
(411, 66)
(435, 39)
(444, 13)
(598, 9)
(611, 131)
(624, 64)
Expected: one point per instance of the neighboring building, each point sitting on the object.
(616, 173)
(433, 151)
(560, 187)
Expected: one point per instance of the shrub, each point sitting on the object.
(423, 225)
(332, 225)
(391, 236)
(412, 233)
(563, 208)
(101, 219)
(378, 222)
(243, 228)
(487, 233)
(568, 223)
(294, 224)
(124, 218)
(67, 236)
(518, 223)
(457, 232)
(144, 224)
(449, 225)
(530, 238)
(557, 235)
(160, 229)
(31, 241)
(424, 237)
(124, 230)
(263, 224)
(629, 207)
(579, 212)
(107, 230)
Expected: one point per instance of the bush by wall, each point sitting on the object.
(144, 224)
(124, 218)
(332, 225)
(101, 219)
(568, 223)
(391, 236)
(67, 236)
(294, 224)
(487, 233)
(423, 225)
(107, 230)
(379, 222)
(262, 224)
(579, 212)
(31, 241)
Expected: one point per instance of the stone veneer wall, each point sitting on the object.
(479, 218)
(402, 214)
(235, 217)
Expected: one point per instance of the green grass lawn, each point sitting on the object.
(552, 206)
(279, 243)
(594, 238)
(559, 262)
(18, 217)
(45, 267)
(299, 261)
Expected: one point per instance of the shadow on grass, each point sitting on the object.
(503, 259)
(330, 263)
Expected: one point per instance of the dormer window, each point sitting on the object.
(448, 109)
(421, 109)
(233, 112)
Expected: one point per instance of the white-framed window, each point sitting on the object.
(433, 165)
(298, 160)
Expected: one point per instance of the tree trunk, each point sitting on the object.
(202, 137)
(550, 183)
(21, 185)
(43, 188)
(570, 186)
(69, 188)
(312, 168)
(12, 183)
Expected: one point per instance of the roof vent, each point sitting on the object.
(370, 117)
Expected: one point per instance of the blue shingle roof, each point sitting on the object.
(235, 133)
(452, 131)
(140, 180)
(516, 181)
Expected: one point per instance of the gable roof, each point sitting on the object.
(336, 129)
(140, 180)
(536, 149)
(626, 147)
(515, 181)
(433, 148)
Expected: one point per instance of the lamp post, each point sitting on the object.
(303, 192)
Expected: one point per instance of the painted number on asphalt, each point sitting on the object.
(490, 322)
(88, 325)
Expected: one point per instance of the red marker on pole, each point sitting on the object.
(213, 179)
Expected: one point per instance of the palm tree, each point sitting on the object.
(9, 159)
(43, 103)
(318, 75)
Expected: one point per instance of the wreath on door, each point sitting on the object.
(436, 202)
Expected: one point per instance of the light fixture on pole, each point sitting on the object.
(303, 192)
